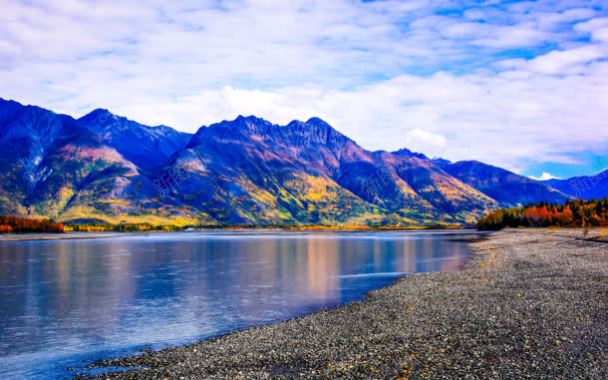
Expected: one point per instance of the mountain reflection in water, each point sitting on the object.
(66, 303)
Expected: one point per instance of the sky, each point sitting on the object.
(521, 85)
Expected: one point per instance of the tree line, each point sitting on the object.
(574, 213)
(14, 224)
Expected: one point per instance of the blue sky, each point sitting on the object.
(523, 85)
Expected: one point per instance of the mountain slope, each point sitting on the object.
(251, 171)
(584, 187)
(506, 187)
(55, 167)
(245, 171)
(147, 147)
(27, 134)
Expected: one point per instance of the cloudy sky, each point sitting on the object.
(523, 85)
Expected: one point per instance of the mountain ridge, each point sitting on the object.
(586, 187)
(508, 188)
(155, 144)
(268, 158)
(242, 171)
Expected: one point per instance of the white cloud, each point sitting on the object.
(512, 120)
(591, 25)
(544, 177)
(556, 62)
(600, 34)
(513, 36)
(420, 140)
(509, 84)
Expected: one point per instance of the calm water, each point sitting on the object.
(66, 303)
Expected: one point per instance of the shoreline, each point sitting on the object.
(529, 303)
(112, 234)
(71, 235)
(65, 236)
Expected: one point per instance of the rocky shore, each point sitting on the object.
(531, 304)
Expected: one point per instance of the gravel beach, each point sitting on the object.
(531, 304)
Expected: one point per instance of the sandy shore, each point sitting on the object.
(531, 304)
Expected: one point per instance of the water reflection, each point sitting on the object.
(68, 302)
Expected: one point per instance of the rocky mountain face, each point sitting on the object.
(53, 166)
(251, 171)
(147, 147)
(584, 187)
(244, 171)
(507, 188)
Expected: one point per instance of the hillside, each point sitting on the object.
(108, 169)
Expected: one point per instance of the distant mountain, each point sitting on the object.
(104, 167)
(584, 187)
(506, 187)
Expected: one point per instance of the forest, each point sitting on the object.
(13, 224)
(574, 213)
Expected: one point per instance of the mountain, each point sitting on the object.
(506, 187)
(27, 134)
(103, 167)
(254, 172)
(584, 187)
(147, 147)
(54, 166)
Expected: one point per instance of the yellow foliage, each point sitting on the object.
(86, 212)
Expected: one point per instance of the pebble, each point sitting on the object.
(531, 304)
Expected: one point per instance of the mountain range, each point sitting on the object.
(248, 171)
(583, 187)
